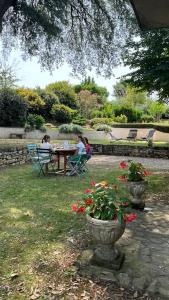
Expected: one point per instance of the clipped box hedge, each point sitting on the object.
(162, 128)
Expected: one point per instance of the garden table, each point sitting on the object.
(64, 153)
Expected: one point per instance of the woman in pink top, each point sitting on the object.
(88, 147)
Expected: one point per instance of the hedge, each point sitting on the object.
(162, 128)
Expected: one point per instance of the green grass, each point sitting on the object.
(34, 226)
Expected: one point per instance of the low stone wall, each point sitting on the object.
(12, 155)
(127, 150)
(17, 155)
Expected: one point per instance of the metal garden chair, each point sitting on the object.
(44, 162)
(77, 164)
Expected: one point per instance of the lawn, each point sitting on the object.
(40, 239)
(13, 142)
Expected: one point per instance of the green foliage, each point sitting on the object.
(90, 85)
(79, 120)
(147, 118)
(104, 202)
(70, 128)
(34, 101)
(65, 93)
(120, 119)
(136, 172)
(150, 143)
(132, 114)
(149, 57)
(156, 109)
(13, 109)
(62, 113)
(49, 99)
(43, 129)
(8, 78)
(85, 34)
(88, 102)
(106, 121)
(133, 125)
(35, 121)
(103, 127)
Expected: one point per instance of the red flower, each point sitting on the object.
(123, 165)
(89, 201)
(147, 173)
(88, 191)
(74, 207)
(125, 203)
(115, 187)
(92, 183)
(81, 209)
(130, 218)
(122, 178)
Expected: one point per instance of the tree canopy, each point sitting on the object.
(149, 56)
(85, 33)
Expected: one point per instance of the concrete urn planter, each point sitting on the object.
(105, 234)
(137, 190)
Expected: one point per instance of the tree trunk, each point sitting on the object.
(4, 6)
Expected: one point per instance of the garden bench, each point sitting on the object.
(17, 135)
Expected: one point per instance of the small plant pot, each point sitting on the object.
(105, 234)
(137, 190)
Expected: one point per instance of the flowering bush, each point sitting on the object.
(104, 202)
(135, 172)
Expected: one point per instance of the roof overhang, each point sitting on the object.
(151, 13)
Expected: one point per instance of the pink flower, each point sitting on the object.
(88, 191)
(123, 165)
(92, 183)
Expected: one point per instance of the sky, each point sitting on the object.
(30, 74)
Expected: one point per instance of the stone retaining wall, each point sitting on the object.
(12, 155)
(16, 155)
(126, 150)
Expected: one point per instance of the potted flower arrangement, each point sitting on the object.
(136, 182)
(107, 211)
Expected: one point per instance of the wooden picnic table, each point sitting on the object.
(64, 153)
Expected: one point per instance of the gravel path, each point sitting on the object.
(151, 163)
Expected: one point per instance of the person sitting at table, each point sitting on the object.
(46, 143)
(81, 149)
(46, 146)
(88, 147)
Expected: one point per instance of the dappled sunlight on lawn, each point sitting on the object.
(36, 226)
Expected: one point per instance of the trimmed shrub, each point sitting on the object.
(35, 121)
(62, 113)
(13, 109)
(106, 121)
(43, 129)
(79, 120)
(120, 119)
(103, 127)
(70, 128)
(132, 114)
(132, 125)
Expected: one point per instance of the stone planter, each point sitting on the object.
(105, 234)
(137, 190)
